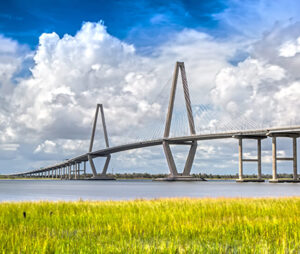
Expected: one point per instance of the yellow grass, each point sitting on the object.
(152, 226)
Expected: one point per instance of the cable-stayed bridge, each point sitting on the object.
(239, 129)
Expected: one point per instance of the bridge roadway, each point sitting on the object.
(174, 140)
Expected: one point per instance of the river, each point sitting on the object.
(27, 190)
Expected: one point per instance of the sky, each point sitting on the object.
(135, 22)
(58, 59)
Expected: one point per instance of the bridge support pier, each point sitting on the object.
(75, 171)
(103, 175)
(84, 169)
(78, 168)
(242, 160)
(170, 159)
(185, 175)
(71, 171)
(274, 135)
(93, 168)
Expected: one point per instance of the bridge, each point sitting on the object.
(72, 168)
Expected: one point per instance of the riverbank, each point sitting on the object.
(245, 225)
(146, 176)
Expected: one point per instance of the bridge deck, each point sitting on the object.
(150, 143)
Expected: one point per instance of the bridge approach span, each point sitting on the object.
(185, 140)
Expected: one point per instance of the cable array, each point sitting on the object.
(207, 118)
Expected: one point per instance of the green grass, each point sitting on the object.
(155, 226)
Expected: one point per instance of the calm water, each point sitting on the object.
(15, 190)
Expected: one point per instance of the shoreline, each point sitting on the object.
(162, 199)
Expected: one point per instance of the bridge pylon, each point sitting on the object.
(174, 174)
(103, 175)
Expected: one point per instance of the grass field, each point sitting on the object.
(155, 226)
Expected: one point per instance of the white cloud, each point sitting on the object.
(264, 87)
(290, 48)
(47, 147)
(65, 147)
(249, 89)
(73, 73)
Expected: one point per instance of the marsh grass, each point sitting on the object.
(152, 226)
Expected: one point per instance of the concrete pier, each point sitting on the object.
(285, 134)
(240, 138)
(84, 169)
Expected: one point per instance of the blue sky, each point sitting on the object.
(136, 22)
(144, 23)
(57, 61)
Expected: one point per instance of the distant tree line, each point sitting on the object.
(153, 176)
(202, 175)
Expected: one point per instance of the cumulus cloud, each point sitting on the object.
(264, 86)
(249, 89)
(72, 74)
(48, 147)
(12, 58)
(290, 48)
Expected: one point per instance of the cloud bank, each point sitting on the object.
(47, 116)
